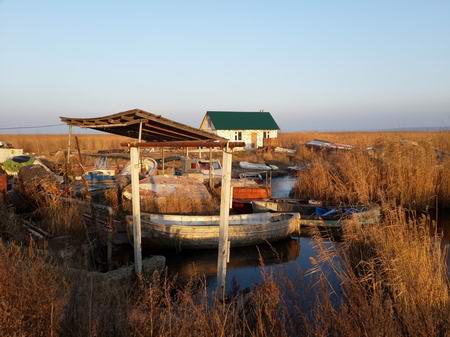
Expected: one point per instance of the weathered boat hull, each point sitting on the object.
(202, 232)
(367, 215)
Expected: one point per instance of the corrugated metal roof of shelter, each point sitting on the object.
(154, 127)
(242, 120)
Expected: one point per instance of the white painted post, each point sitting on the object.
(135, 199)
(223, 253)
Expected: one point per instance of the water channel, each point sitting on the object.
(291, 257)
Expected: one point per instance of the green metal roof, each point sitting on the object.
(242, 120)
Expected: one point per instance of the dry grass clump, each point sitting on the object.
(31, 293)
(163, 309)
(61, 216)
(394, 281)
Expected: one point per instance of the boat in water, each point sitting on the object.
(315, 214)
(257, 166)
(162, 231)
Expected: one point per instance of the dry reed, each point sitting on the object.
(394, 281)
(408, 175)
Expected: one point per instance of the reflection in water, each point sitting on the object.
(198, 263)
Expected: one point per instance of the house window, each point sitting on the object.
(266, 134)
(238, 135)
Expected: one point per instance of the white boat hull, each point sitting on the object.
(202, 232)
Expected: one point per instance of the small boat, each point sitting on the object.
(257, 166)
(161, 231)
(243, 194)
(314, 214)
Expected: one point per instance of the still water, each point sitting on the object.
(291, 257)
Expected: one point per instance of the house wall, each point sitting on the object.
(247, 136)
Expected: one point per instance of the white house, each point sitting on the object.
(249, 127)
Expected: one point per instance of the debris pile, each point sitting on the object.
(36, 179)
(173, 195)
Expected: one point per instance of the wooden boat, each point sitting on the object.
(202, 232)
(317, 215)
(245, 190)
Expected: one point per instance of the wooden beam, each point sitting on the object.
(225, 200)
(136, 205)
(166, 130)
(208, 143)
(150, 131)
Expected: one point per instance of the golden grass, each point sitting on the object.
(404, 173)
(32, 292)
(51, 143)
(394, 281)
(392, 277)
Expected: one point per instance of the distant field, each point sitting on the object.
(45, 144)
(50, 143)
(439, 139)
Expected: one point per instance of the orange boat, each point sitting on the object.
(243, 195)
(249, 193)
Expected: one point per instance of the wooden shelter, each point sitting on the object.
(141, 125)
(160, 132)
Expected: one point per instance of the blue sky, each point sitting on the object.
(317, 65)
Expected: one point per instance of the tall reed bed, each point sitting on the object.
(410, 175)
(392, 283)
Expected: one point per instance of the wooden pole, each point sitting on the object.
(200, 153)
(69, 145)
(223, 253)
(140, 132)
(163, 161)
(135, 199)
(211, 181)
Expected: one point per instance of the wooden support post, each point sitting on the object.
(135, 199)
(223, 253)
(187, 152)
(211, 180)
(69, 145)
(200, 153)
(163, 161)
(140, 132)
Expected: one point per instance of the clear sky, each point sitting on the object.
(317, 65)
